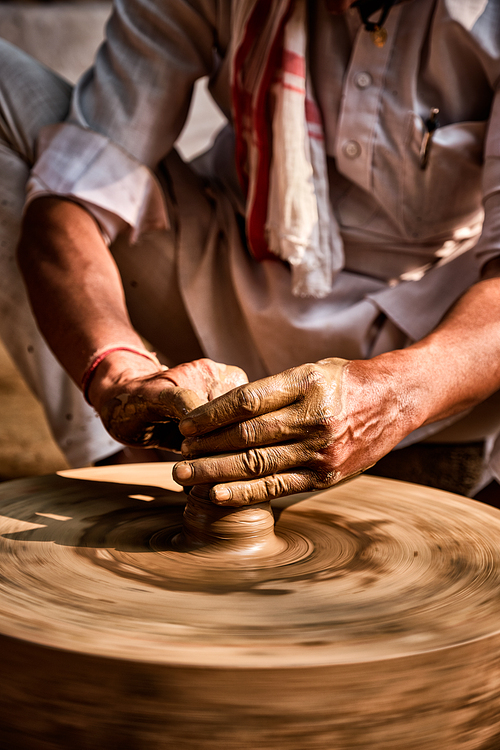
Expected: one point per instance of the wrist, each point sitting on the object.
(113, 366)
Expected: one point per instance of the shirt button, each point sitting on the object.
(351, 149)
(363, 80)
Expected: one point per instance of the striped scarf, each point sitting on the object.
(280, 149)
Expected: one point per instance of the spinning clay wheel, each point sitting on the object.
(368, 618)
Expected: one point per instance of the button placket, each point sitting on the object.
(363, 88)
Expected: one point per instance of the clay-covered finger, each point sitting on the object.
(274, 486)
(261, 490)
(154, 401)
(268, 429)
(142, 433)
(241, 466)
(148, 415)
(244, 402)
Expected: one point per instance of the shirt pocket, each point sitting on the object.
(447, 194)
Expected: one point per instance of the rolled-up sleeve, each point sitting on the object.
(127, 112)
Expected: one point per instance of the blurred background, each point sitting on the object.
(64, 36)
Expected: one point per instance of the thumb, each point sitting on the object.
(179, 401)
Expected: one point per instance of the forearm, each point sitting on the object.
(458, 365)
(73, 284)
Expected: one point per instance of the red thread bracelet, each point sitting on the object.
(98, 357)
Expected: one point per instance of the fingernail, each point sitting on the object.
(188, 446)
(222, 494)
(188, 427)
(183, 472)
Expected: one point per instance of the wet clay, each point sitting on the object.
(368, 618)
(246, 532)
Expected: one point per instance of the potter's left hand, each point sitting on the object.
(142, 409)
(304, 429)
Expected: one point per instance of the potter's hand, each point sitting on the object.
(305, 429)
(144, 410)
(64, 259)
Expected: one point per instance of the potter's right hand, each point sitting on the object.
(304, 429)
(141, 407)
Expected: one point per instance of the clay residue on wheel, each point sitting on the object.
(367, 571)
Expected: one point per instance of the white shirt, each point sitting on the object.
(396, 219)
(412, 237)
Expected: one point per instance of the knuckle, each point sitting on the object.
(320, 394)
(254, 462)
(202, 365)
(324, 468)
(249, 400)
(324, 479)
(326, 425)
(275, 486)
(322, 445)
(313, 376)
(247, 432)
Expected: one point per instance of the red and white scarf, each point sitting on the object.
(280, 149)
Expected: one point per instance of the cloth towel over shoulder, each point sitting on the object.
(280, 147)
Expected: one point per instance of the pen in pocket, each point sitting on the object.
(431, 125)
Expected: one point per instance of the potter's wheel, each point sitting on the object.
(370, 620)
